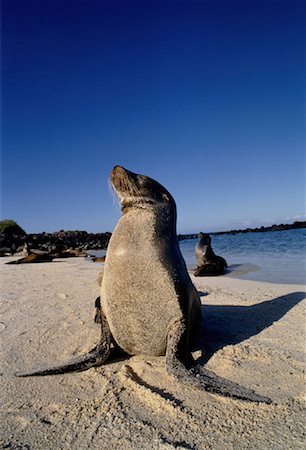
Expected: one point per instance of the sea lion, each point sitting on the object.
(26, 250)
(33, 258)
(70, 253)
(148, 304)
(208, 262)
(98, 258)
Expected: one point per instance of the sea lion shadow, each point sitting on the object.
(232, 268)
(241, 269)
(223, 325)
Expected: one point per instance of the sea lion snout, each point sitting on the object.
(122, 179)
(116, 174)
(117, 170)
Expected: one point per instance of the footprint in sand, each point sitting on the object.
(62, 296)
(2, 326)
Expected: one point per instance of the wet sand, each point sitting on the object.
(252, 333)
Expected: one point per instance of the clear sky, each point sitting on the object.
(206, 97)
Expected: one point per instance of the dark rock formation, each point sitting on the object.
(56, 242)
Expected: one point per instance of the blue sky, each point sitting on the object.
(206, 97)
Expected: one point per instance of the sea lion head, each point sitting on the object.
(139, 191)
(205, 239)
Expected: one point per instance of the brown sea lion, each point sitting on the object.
(98, 258)
(33, 258)
(149, 305)
(208, 262)
(71, 253)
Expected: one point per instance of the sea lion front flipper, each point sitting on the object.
(96, 357)
(178, 358)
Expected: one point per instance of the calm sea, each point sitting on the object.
(276, 256)
(273, 256)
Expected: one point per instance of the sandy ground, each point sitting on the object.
(252, 333)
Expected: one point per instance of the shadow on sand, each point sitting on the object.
(223, 325)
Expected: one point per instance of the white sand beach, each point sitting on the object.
(252, 333)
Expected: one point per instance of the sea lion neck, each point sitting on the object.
(160, 223)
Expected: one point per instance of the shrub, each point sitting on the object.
(10, 228)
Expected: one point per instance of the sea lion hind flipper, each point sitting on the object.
(209, 381)
(201, 378)
(16, 261)
(96, 357)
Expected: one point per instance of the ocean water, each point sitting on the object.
(273, 256)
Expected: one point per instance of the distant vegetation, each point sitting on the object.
(11, 228)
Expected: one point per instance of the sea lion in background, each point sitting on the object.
(98, 258)
(33, 258)
(149, 305)
(39, 256)
(71, 253)
(208, 262)
(26, 250)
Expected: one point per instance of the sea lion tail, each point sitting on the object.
(96, 357)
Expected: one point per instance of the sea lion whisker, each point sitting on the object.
(113, 194)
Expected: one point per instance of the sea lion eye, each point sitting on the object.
(141, 180)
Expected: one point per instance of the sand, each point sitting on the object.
(252, 333)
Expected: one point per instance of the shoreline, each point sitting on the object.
(61, 240)
(281, 227)
(238, 270)
(252, 333)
